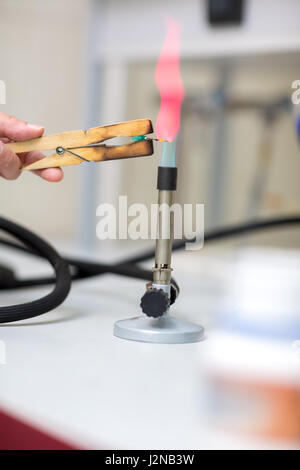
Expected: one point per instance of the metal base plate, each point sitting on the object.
(165, 329)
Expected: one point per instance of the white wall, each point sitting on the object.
(135, 28)
(42, 61)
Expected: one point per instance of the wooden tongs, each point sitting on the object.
(75, 147)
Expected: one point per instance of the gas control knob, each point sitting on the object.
(155, 302)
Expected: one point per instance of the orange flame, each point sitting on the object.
(168, 80)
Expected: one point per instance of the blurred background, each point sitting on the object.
(77, 64)
(70, 65)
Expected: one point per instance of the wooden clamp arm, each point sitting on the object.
(81, 137)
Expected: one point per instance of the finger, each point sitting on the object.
(14, 129)
(10, 164)
(53, 175)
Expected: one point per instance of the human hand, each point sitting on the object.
(12, 130)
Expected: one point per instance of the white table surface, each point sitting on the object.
(68, 374)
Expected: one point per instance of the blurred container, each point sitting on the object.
(253, 357)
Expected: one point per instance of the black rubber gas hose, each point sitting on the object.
(84, 269)
(62, 276)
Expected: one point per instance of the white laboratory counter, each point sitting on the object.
(66, 373)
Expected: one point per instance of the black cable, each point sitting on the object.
(62, 276)
(84, 269)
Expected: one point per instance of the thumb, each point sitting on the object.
(14, 129)
(10, 164)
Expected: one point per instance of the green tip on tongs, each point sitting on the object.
(139, 137)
